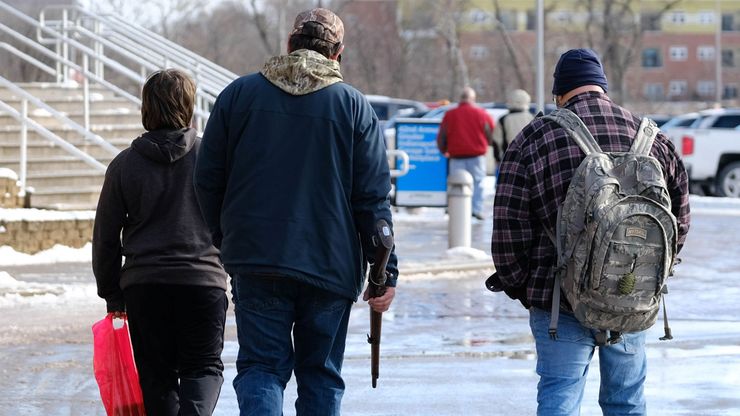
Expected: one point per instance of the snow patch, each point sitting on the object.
(9, 174)
(37, 294)
(7, 281)
(40, 112)
(466, 253)
(56, 254)
(34, 214)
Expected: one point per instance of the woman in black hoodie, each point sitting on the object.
(171, 285)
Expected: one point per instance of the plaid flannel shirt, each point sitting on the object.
(533, 178)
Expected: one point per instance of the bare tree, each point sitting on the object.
(510, 46)
(449, 15)
(614, 29)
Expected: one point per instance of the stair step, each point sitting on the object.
(51, 163)
(54, 90)
(98, 117)
(78, 141)
(70, 104)
(106, 131)
(42, 150)
(77, 173)
(66, 197)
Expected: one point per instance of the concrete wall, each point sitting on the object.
(9, 191)
(34, 230)
(34, 235)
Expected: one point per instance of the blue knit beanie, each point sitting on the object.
(576, 68)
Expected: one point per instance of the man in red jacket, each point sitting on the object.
(464, 137)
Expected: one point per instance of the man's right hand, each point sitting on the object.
(381, 303)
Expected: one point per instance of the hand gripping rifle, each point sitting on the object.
(383, 242)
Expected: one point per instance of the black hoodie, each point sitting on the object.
(148, 214)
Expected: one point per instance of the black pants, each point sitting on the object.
(177, 333)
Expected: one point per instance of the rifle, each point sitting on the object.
(383, 242)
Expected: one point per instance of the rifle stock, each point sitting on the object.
(383, 242)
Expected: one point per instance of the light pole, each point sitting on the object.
(540, 55)
(718, 53)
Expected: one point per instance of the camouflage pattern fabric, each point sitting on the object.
(616, 236)
(333, 26)
(302, 72)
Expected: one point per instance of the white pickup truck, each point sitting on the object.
(710, 150)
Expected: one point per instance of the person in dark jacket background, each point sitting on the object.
(291, 178)
(171, 286)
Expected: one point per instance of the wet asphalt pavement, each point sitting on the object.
(449, 347)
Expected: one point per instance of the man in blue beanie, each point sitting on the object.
(534, 176)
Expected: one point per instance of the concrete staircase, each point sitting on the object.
(60, 180)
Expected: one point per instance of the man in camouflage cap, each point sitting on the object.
(292, 168)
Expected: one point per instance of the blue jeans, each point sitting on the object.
(268, 311)
(563, 365)
(476, 166)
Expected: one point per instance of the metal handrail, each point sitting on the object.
(405, 164)
(71, 42)
(26, 122)
(211, 90)
(15, 51)
(145, 40)
(202, 114)
(136, 44)
(46, 52)
(59, 116)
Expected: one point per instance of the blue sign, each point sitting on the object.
(425, 185)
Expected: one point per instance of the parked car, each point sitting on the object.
(387, 107)
(659, 119)
(677, 126)
(710, 150)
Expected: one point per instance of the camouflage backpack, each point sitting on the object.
(615, 235)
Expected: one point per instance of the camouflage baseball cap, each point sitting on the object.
(333, 27)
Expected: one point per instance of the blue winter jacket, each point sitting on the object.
(292, 174)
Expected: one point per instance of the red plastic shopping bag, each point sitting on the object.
(115, 371)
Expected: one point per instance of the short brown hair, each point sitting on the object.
(328, 49)
(167, 100)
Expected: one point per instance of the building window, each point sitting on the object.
(678, 18)
(706, 17)
(654, 91)
(705, 53)
(677, 88)
(705, 88)
(651, 58)
(729, 92)
(531, 20)
(728, 58)
(477, 16)
(650, 21)
(728, 22)
(679, 53)
(479, 52)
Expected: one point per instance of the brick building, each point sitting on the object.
(664, 53)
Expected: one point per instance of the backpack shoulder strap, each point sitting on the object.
(571, 123)
(645, 137)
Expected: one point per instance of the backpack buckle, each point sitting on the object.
(606, 338)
